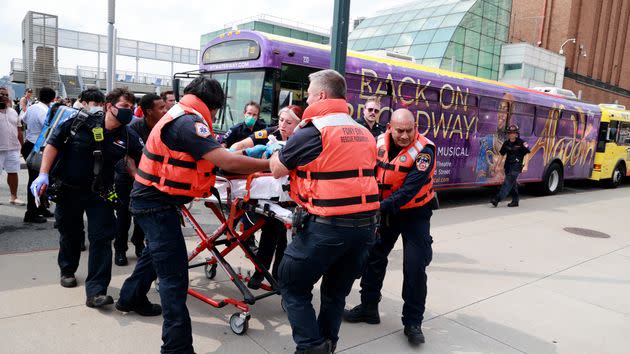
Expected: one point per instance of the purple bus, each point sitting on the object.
(464, 115)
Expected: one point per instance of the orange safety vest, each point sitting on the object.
(391, 174)
(340, 180)
(175, 172)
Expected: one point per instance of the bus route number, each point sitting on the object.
(306, 60)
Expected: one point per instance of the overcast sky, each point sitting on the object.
(179, 23)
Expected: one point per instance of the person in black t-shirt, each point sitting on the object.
(288, 119)
(371, 116)
(515, 149)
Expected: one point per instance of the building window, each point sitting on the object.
(512, 71)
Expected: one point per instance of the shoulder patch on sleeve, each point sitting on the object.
(526, 144)
(423, 161)
(261, 134)
(202, 130)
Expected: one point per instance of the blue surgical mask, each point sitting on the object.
(250, 121)
(124, 115)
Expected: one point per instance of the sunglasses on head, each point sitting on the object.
(375, 110)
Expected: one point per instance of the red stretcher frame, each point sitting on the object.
(234, 239)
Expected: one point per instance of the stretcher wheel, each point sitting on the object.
(239, 323)
(210, 270)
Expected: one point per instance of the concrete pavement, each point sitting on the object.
(502, 281)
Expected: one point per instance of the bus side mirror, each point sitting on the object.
(176, 89)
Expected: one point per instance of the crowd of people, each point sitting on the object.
(358, 186)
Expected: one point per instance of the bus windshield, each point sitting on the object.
(240, 87)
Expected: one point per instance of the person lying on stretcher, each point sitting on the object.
(262, 144)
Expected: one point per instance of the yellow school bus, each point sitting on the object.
(612, 157)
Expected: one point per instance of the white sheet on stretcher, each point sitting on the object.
(265, 187)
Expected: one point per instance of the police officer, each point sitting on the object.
(331, 161)
(86, 148)
(405, 169)
(515, 149)
(177, 165)
(370, 117)
(250, 124)
(153, 107)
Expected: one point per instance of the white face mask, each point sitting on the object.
(95, 109)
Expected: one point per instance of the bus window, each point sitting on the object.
(523, 116)
(612, 132)
(567, 124)
(294, 80)
(543, 116)
(602, 137)
(623, 136)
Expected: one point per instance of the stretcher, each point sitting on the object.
(259, 193)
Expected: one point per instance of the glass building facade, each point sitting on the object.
(269, 27)
(458, 35)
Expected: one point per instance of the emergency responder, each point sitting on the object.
(405, 168)
(153, 108)
(273, 232)
(371, 115)
(250, 124)
(86, 148)
(331, 161)
(515, 149)
(177, 165)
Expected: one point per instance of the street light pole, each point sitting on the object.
(111, 15)
(339, 38)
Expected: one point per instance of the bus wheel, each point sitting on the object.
(617, 177)
(553, 180)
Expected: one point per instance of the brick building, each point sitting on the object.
(598, 62)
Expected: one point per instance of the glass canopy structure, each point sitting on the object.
(459, 35)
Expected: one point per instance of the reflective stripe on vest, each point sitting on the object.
(339, 181)
(391, 174)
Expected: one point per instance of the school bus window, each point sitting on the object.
(602, 137)
(612, 132)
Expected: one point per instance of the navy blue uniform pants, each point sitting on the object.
(335, 254)
(413, 224)
(273, 239)
(166, 258)
(123, 220)
(509, 186)
(69, 217)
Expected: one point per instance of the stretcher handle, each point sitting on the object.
(250, 178)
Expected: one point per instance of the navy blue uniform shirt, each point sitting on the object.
(515, 152)
(180, 135)
(76, 160)
(241, 131)
(415, 180)
(376, 129)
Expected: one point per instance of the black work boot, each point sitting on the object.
(362, 313)
(414, 335)
(324, 348)
(256, 281)
(494, 201)
(120, 259)
(512, 204)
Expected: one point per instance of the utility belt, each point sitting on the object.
(58, 189)
(301, 216)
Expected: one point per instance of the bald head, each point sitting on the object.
(402, 126)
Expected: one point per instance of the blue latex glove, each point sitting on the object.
(256, 151)
(271, 149)
(39, 183)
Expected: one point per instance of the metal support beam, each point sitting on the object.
(339, 38)
(111, 15)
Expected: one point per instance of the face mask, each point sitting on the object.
(250, 121)
(96, 109)
(124, 115)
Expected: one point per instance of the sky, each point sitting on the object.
(178, 23)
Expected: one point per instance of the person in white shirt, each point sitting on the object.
(10, 142)
(34, 120)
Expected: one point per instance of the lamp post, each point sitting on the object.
(561, 52)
